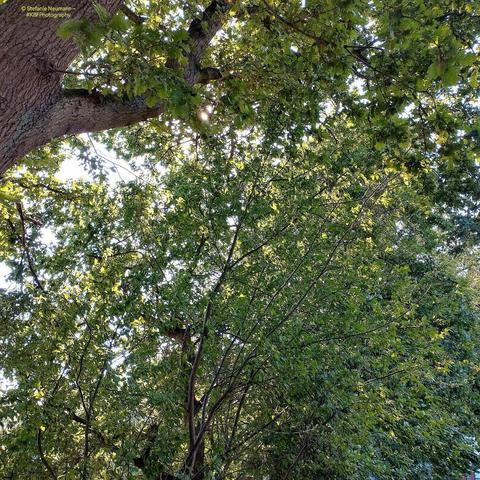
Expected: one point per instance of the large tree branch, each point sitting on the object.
(32, 57)
(78, 111)
(92, 112)
(201, 32)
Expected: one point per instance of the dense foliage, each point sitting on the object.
(287, 288)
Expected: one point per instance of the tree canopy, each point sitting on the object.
(286, 286)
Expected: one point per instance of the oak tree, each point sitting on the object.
(285, 286)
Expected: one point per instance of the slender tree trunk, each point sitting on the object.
(32, 59)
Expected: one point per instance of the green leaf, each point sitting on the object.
(68, 28)
(450, 76)
(119, 22)
(151, 101)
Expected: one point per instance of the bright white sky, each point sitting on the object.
(72, 169)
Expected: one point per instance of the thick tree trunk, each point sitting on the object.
(32, 58)
(33, 107)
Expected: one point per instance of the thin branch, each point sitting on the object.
(44, 459)
(101, 437)
(26, 248)
(318, 40)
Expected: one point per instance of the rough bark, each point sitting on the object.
(33, 107)
(31, 59)
(77, 111)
